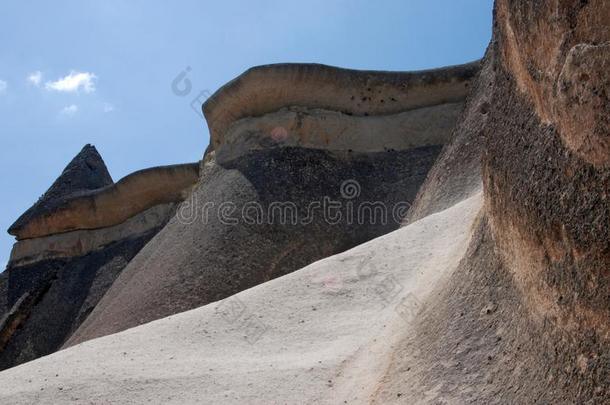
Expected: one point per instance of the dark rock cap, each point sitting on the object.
(87, 171)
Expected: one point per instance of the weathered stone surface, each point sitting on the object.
(110, 205)
(526, 316)
(201, 256)
(265, 89)
(46, 301)
(548, 203)
(78, 238)
(87, 171)
(558, 53)
(290, 135)
(336, 131)
(81, 242)
(477, 342)
(457, 173)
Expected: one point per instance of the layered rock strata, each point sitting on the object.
(265, 89)
(107, 206)
(305, 161)
(520, 316)
(73, 243)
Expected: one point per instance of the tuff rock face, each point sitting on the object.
(73, 243)
(278, 160)
(506, 160)
(553, 207)
(266, 89)
(357, 141)
(87, 171)
(109, 205)
(550, 214)
(456, 175)
(526, 315)
(558, 55)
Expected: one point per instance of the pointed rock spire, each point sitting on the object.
(87, 171)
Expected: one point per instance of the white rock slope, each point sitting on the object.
(324, 334)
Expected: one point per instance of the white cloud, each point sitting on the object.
(35, 78)
(73, 82)
(3, 86)
(69, 110)
(108, 107)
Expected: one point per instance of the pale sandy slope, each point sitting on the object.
(328, 333)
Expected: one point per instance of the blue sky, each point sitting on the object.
(77, 72)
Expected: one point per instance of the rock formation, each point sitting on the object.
(107, 206)
(279, 160)
(495, 290)
(456, 174)
(73, 243)
(525, 317)
(267, 89)
(323, 334)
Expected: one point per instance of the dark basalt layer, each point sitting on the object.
(44, 297)
(87, 171)
(199, 257)
(42, 304)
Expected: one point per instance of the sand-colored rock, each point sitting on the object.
(266, 89)
(548, 201)
(216, 246)
(324, 334)
(85, 172)
(56, 276)
(60, 292)
(81, 242)
(496, 297)
(112, 204)
(576, 220)
(295, 142)
(525, 317)
(456, 175)
(336, 131)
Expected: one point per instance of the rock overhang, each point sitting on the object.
(109, 205)
(359, 93)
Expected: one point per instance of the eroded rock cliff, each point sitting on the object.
(525, 317)
(73, 243)
(506, 244)
(290, 144)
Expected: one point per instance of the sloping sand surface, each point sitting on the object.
(323, 334)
